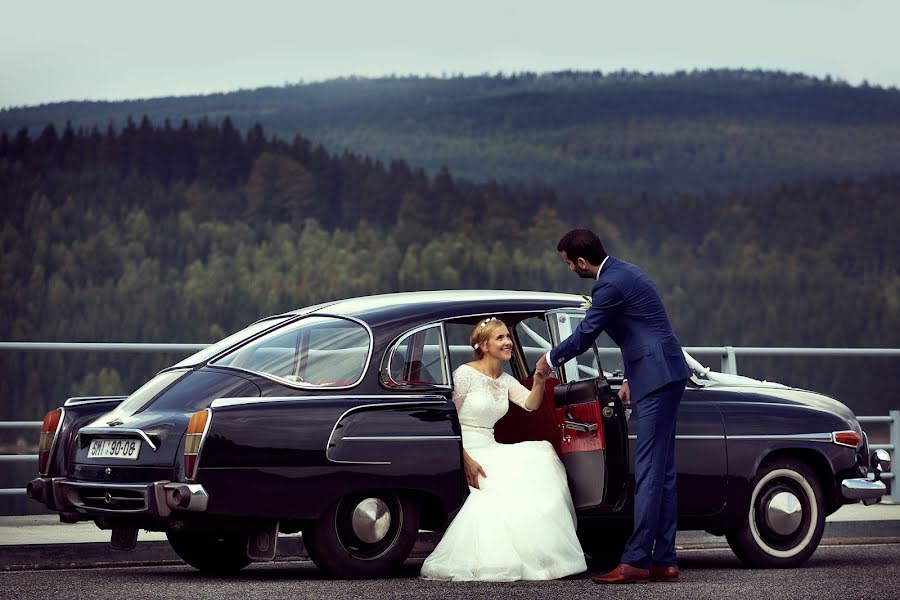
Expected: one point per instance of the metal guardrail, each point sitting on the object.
(728, 356)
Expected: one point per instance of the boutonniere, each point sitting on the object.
(587, 302)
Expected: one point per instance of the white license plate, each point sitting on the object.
(114, 448)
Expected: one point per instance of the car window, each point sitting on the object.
(232, 340)
(315, 351)
(587, 362)
(417, 359)
(610, 355)
(534, 337)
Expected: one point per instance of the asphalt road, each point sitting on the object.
(843, 571)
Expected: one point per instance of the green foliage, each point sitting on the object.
(582, 132)
(154, 234)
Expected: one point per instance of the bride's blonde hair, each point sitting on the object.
(482, 333)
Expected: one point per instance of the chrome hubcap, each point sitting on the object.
(784, 513)
(371, 520)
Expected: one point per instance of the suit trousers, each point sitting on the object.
(655, 498)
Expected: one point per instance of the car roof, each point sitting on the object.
(439, 305)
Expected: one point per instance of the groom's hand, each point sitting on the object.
(625, 393)
(473, 470)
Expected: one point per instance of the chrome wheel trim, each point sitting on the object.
(784, 513)
(813, 513)
(371, 520)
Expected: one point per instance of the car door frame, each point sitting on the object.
(613, 414)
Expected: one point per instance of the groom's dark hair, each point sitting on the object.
(582, 243)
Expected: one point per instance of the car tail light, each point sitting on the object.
(49, 429)
(196, 432)
(846, 438)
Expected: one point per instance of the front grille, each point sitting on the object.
(112, 499)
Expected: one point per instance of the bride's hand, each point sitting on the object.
(473, 469)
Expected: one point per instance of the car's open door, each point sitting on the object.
(592, 422)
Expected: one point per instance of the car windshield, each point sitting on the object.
(317, 351)
(232, 340)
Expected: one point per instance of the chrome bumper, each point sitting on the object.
(94, 498)
(866, 490)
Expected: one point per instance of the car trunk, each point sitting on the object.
(145, 443)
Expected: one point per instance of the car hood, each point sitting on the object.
(779, 394)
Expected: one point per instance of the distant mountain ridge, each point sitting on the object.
(585, 133)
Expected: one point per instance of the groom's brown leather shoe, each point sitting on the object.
(669, 573)
(623, 574)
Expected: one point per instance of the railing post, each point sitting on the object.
(729, 361)
(895, 453)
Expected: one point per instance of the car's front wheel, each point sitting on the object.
(786, 518)
(218, 553)
(367, 535)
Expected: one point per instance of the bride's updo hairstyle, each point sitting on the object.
(482, 333)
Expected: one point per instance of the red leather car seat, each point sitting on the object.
(519, 425)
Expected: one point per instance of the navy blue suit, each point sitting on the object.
(626, 304)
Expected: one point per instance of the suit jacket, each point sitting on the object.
(626, 304)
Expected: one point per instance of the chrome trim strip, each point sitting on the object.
(806, 437)
(445, 351)
(328, 443)
(115, 430)
(295, 384)
(83, 400)
(399, 438)
(799, 437)
(224, 402)
(689, 437)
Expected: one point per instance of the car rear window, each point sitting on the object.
(142, 397)
(318, 351)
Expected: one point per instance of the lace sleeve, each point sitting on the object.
(462, 381)
(518, 393)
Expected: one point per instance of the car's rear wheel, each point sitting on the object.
(219, 553)
(366, 535)
(786, 518)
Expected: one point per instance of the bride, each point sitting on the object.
(518, 521)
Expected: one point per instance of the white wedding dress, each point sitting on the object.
(521, 523)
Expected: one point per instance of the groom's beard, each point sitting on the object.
(584, 273)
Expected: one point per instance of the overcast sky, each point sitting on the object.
(53, 50)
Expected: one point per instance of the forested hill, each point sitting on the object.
(160, 234)
(585, 132)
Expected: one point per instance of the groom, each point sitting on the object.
(625, 303)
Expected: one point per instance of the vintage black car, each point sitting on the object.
(336, 421)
